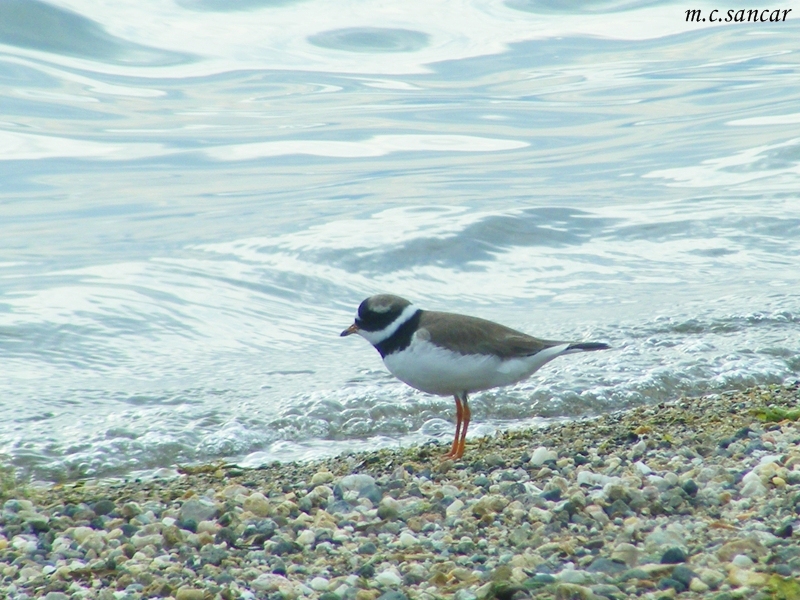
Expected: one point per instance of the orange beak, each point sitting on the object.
(350, 330)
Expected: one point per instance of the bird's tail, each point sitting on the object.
(586, 347)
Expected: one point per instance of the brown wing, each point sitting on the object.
(471, 335)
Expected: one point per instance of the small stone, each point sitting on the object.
(367, 548)
(372, 492)
(258, 504)
(697, 586)
(626, 553)
(407, 540)
(667, 583)
(673, 556)
(785, 531)
(465, 594)
(319, 584)
(574, 576)
(690, 487)
(454, 508)
(306, 537)
(742, 560)
(748, 546)
(389, 578)
(739, 577)
(573, 591)
(542, 455)
(103, 507)
(753, 488)
(367, 571)
(198, 509)
(683, 574)
(320, 478)
(130, 510)
(189, 593)
(711, 577)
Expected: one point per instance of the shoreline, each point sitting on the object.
(694, 498)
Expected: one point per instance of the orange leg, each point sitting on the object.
(459, 417)
(467, 413)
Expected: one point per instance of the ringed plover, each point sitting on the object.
(449, 354)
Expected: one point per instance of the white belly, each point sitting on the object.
(435, 370)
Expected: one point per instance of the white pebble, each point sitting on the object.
(742, 560)
(319, 584)
(642, 469)
(454, 508)
(753, 488)
(540, 455)
(407, 540)
(306, 537)
(390, 577)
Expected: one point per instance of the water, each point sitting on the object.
(195, 196)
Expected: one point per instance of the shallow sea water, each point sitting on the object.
(196, 195)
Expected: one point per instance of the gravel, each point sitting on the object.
(696, 498)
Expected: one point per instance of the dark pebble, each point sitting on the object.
(188, 525)
(227, 535)
(478, 558)
(367, 548)
(465, 547)
(673, 556)
(372, 492)
(278, 567)
(413, 490)
(618, 508)
(785, 531)
(783, 570)
(742, 433)
(690, 487)
(553, 495)
(129, 530)
(284, 546)
(668, 582)
(580, 459)
(412, 579)
(509, 475)
(212, 555)
(387, 513)
(327, 596)
(104, 507)
(683, 574)
(367, 570)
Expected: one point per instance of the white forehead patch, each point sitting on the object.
(381, 305)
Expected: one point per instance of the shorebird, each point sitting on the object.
(450, 354)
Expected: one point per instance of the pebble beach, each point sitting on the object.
(697, 498)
